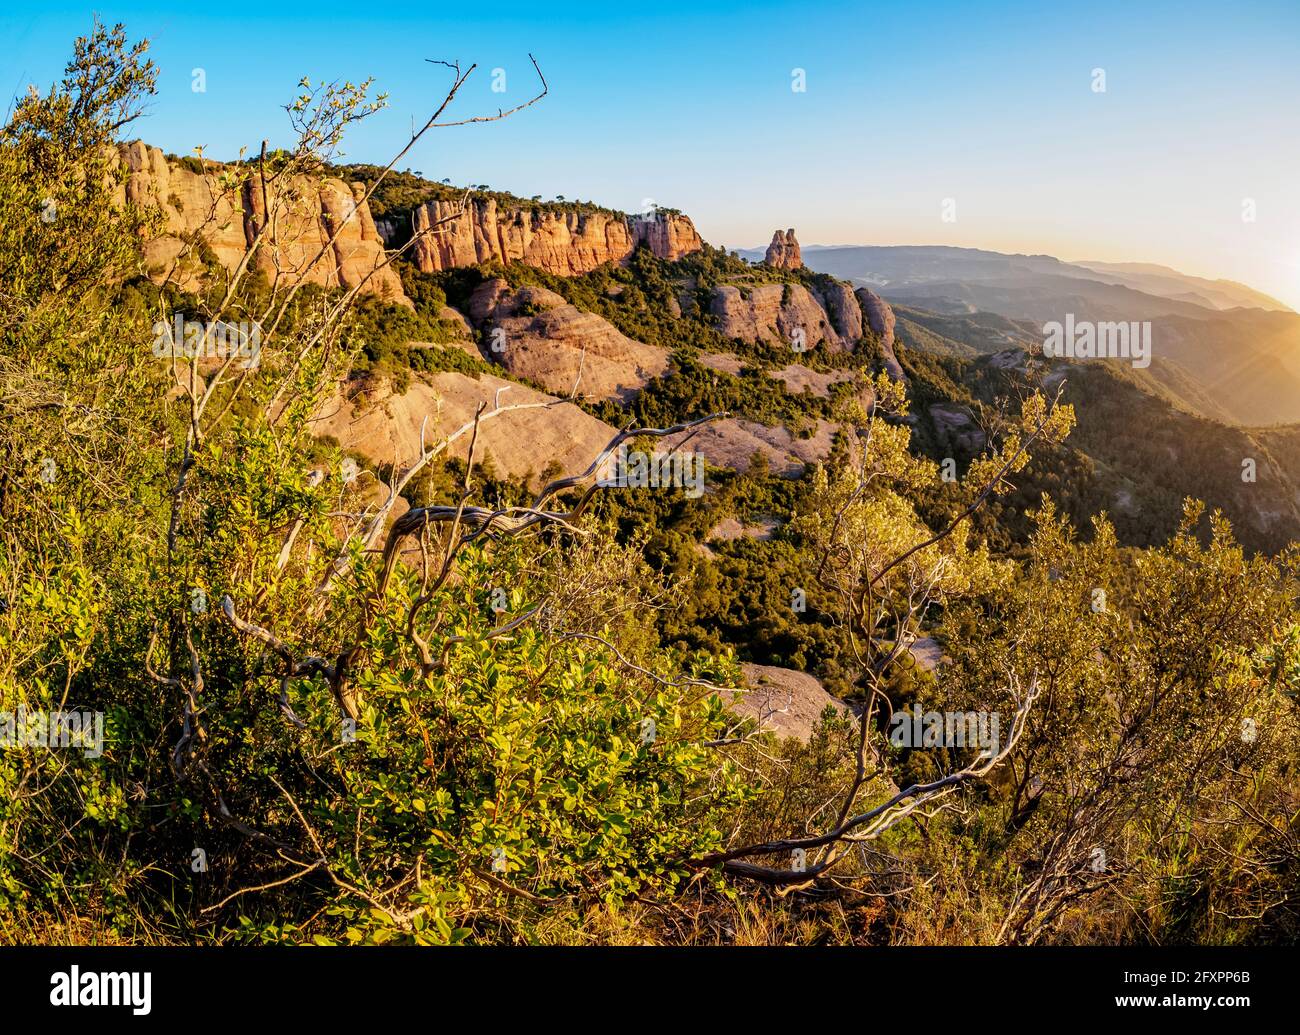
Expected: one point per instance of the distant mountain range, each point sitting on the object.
(927, 268)
(1221, 349)
(1169, 283)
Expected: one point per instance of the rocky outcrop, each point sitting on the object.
(842, 307)
(783, 701)
(535, 334)
(733, 443)
(798, 378)
(879, 314)
(783, 253)
(460, 328)
(306, 214)
(1018, 359)
(957, 429)
(560, 241)
(371, 419)
(880, 318)
(723, 362)
(668, 235)
(787, 313)
(928, 653)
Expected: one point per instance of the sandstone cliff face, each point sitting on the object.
(842, 307)
(564, 243)
(535, 334)
(732, 443)
(668, 236)
(561, 242)
(230, 221)
(880, 318)
(798, 378)
(382, 425)
(771, 312)
(783, 252)
(777, 312)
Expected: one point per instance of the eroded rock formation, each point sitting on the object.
(880, 318)
(783, 252)
(228, 221)
(788, 313)
(957, 429)
(842, 307)
(370, 417)
(558, 241)
(783, 700)
(732, 442)
(535, 334)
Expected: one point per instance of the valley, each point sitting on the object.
(608, 318)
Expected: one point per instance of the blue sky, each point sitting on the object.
(690, 104)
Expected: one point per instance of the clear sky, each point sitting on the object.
(690, 104)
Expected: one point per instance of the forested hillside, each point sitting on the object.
(350, 667)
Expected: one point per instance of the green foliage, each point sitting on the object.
(325, 726)
(389, 338)
(485, 792)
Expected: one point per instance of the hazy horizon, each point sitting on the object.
(990, 117)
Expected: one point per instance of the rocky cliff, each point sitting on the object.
(561, 241)
(789, 313)
(307, 212)
(369, 416)
(880, 318)
(783, 252)
(533, 333)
